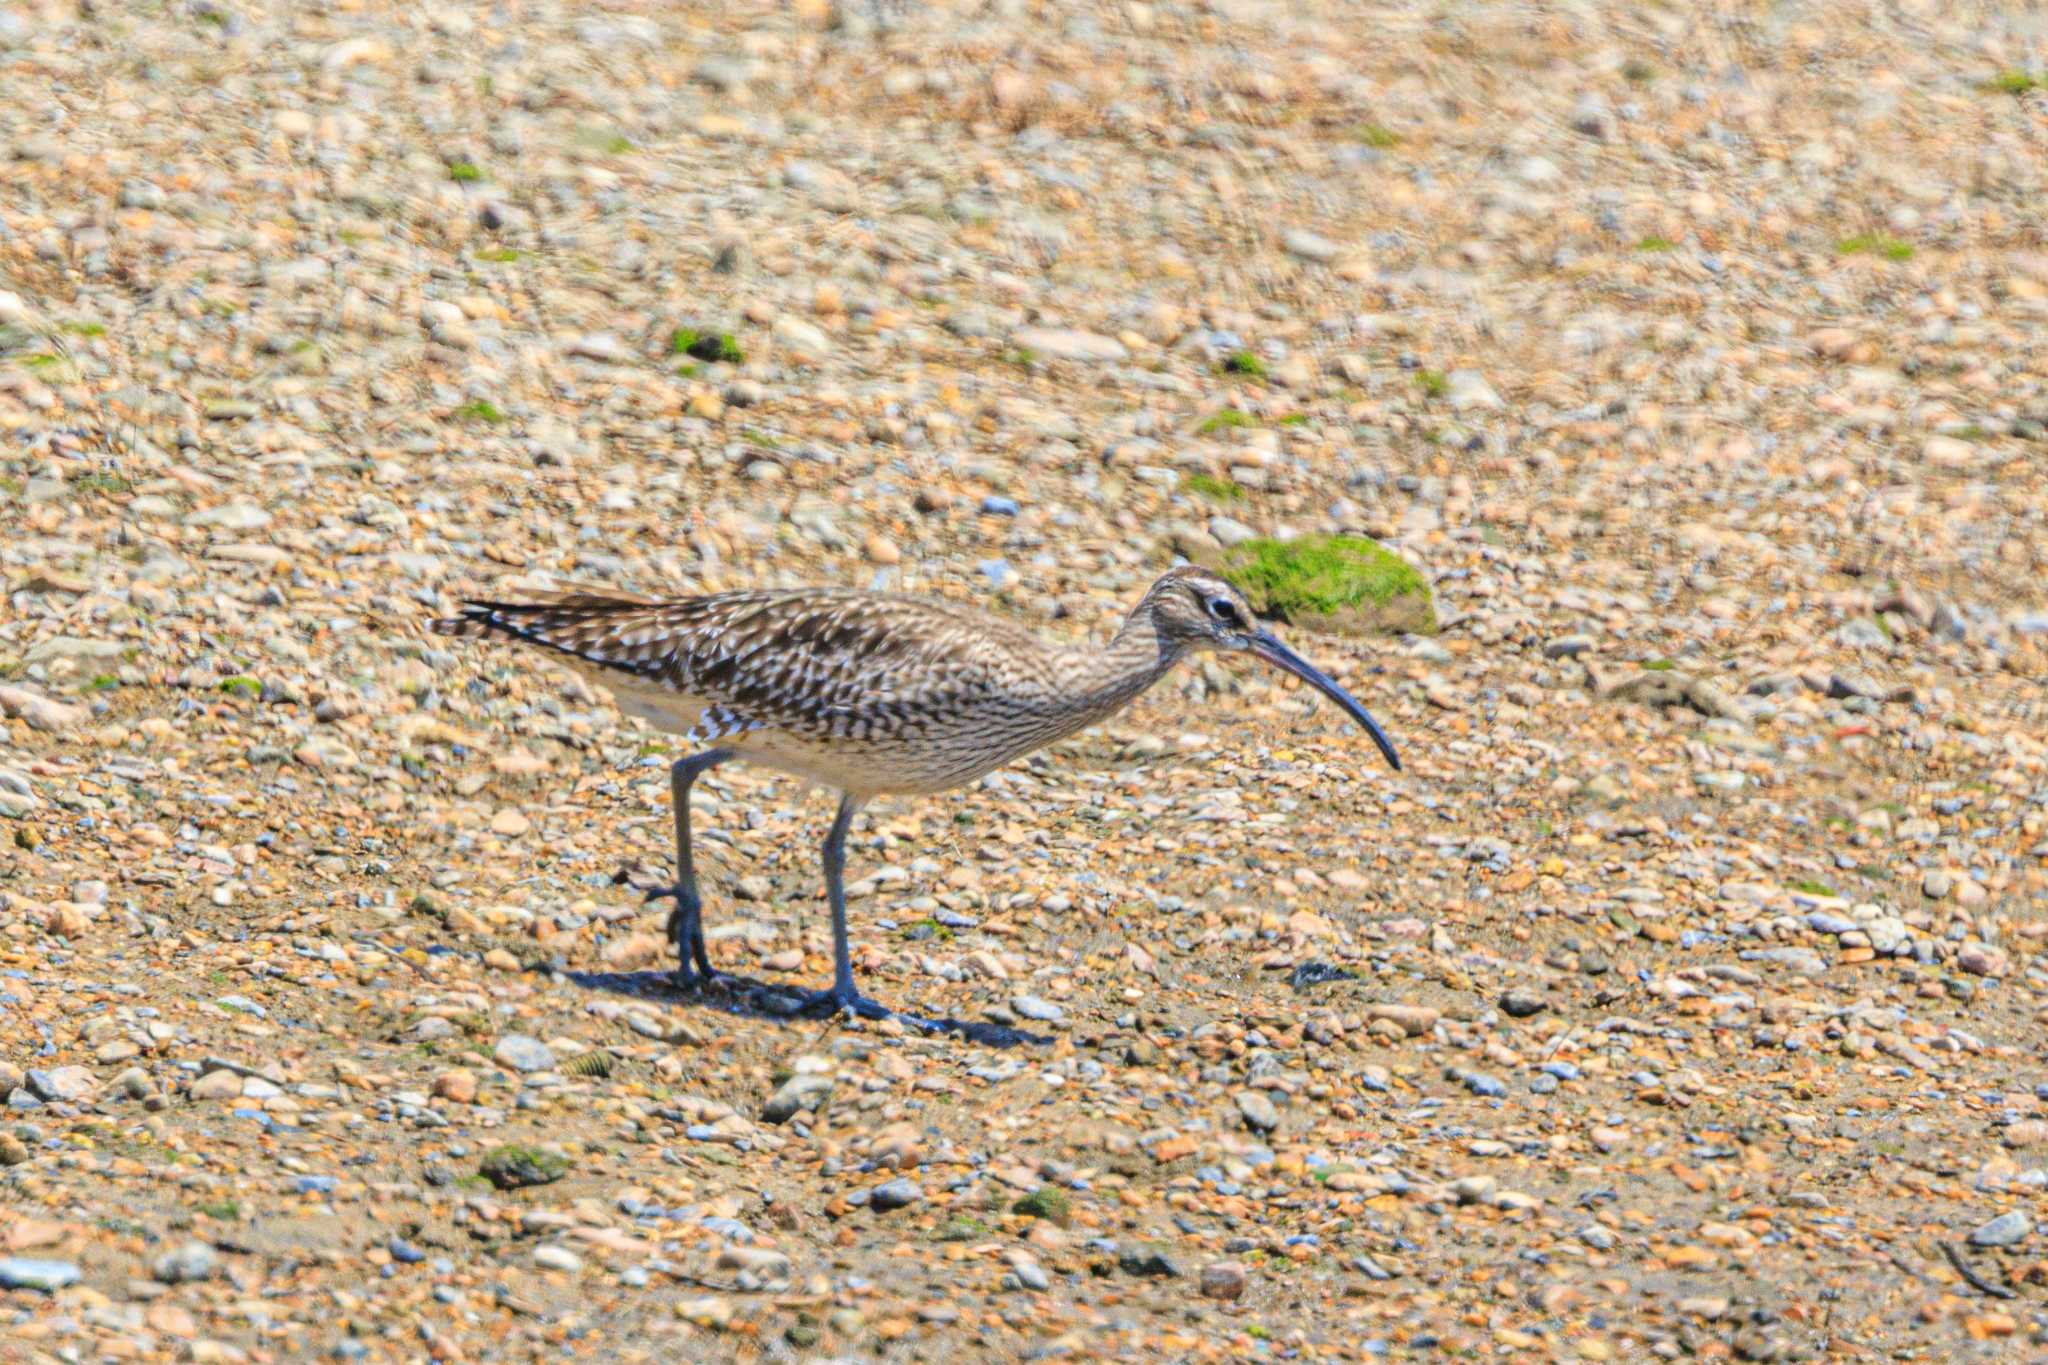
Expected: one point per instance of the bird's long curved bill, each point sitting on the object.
(1273, 652)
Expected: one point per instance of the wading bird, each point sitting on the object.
(867, 693)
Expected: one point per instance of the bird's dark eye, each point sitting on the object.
(1225, 610)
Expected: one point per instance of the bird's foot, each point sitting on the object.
(685, 930)
(825, 1004)
(697, 979)
(831, 1003)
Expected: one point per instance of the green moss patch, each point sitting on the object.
(516, 1165)
(706, 346)
(1345, 584)
(1214, 489)
(1045, 1202)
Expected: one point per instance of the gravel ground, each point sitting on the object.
(1682, 998)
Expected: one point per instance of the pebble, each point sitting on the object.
(523, 1054)
(1223, 1280)
(1061, 343)
(1309, 246)
(68, 1084)
(185, 1264)
(2008, 1229)
(22, 1272)
(799, 1092)
(1259, 1114)
(895, 1194)
(557, 1258)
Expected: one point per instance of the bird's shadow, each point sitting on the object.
(746, 998)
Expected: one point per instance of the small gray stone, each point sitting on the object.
(1148, 1264)
(1568, 647)
(188, 1264)
(68, 1084)
(1259, 1113)
(1309, 246)
(22, 1272)
(522, 1053)
(1520, 1004)
(806, 1090)
(1065, 343)
(764, 1262)
(600, 346)
(1031, 1007)
(141, 194)
(1229, 531)
(897, 1194)
(2008, 1229)
(557, 1258)
(1467, 390)
(1590, 116)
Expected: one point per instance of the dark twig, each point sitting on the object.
(1955, 1258)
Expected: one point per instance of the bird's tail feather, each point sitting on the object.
(618, 630)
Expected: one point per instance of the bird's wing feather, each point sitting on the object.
(809, 661)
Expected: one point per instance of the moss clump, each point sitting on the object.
(1214, 489)
(1045, 1202)
(1891, 248)
(1225, 419)
(1246, 364)
(242, 686)
(464, 172)
(706, 346)
(1342, 583)
(516, 1165)
(2012, 81)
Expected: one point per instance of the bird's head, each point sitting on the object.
(1193, 609)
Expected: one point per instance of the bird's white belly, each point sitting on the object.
(661, 707)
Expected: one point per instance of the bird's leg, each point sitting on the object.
(842, 996)
(686, 921)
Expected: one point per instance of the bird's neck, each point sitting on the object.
(1105, 681)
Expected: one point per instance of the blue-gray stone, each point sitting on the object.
(522, 1053)
(2008, 1229)
(187, 1264)
(22, 1272)
(897, 1194)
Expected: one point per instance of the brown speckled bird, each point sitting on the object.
(869, 693)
